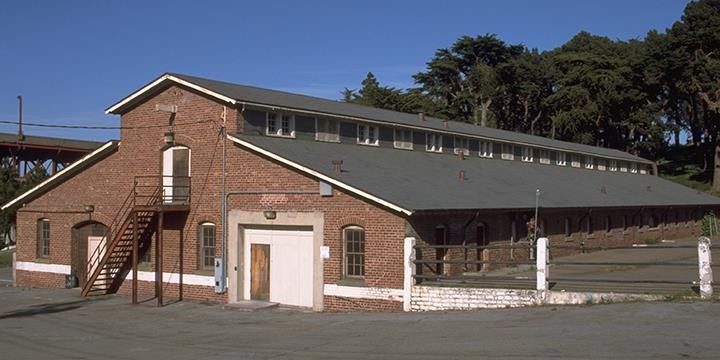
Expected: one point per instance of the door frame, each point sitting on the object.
(239, 220)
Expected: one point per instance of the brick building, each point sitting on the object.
(317, 198)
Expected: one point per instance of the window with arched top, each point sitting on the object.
(43, 238)
(353, 252)
(206, 246)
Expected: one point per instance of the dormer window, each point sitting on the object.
(403, 139)
(527, 154)
(623, 166)
(327, 130)
(461, 146)
(612, 165)
(575, 160)
(601, 165)
(644, 170)
(486, 149)
(508, 152)
(544, 156)
(634, 168)
(280, 125)
(589, 162)
(434, 143)
(367, 134)
(561, 159)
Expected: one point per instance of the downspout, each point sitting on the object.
(223, 217)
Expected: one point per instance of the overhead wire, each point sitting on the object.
(101, 127)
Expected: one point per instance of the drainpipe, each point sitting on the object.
(223, 216)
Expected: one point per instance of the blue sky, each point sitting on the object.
(71, 59)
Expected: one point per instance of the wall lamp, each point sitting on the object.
(89, 208)
(270, 214)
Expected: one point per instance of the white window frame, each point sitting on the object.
(643, 171)
(575, 160)
(364, 132)
(325, 133)
(485, 149)
(461, 144)
(277, 119)
(402, 143)
(613, 165)
(544, 156)
(561, 159)
(508, 155)
(527, 154)
(360, 255)
(433, 142)
(623, 166)
(589, 162)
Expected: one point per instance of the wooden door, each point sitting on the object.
(260, 272)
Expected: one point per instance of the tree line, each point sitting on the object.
(637, 95)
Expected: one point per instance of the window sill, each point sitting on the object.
(434, 151)
(403, 148)
(337, 141)
(145, 267)
(352, 282)
(366, 144)
(205, 272)
(281, 136)
(43, 260)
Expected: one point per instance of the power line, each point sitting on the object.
(100, 127)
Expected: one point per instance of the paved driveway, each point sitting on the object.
(58, 324)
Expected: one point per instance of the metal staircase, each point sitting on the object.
(137, 218)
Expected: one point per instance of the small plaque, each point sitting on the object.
(325, 252)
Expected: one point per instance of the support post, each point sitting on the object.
(542, 268)
(135, 259)
(704, 267)
(409, 272)
(159, 260)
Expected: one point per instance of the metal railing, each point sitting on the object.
(172, 190)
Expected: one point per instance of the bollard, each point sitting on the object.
(409, 271)
(704, 267)
(542, 262)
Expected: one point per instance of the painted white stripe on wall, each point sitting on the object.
(174, 278)
(171, 278)
(364, 292)
(41, 267)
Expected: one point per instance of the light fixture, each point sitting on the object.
(169, 137)
(89, 208)
(270, 214)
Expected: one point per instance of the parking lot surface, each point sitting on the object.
(59, 324)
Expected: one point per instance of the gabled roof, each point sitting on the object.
(420, 181)
(64, 174)
(234, 93)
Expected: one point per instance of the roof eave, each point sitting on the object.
(321, 176)
(119, 107)
(61, 175)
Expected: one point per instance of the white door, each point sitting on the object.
(291, 265)
(95, 256)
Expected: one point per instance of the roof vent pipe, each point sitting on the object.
(461, 155)
(461, 175)
(421, 116)
(445, 124)
(337, 165)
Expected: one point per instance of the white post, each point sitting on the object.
(14, 267)
(542, 269)
(409, 271)
(705, 269)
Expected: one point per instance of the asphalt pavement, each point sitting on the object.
(59, 324)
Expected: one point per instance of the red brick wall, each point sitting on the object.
(107, 183)
(34, 279)
(335, 303)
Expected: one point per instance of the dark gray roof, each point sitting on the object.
(309, 103)
(70, 144)
(418, 181)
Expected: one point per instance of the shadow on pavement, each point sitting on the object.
(42, 309)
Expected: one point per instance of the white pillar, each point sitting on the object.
(409, 271)
(704, 266)
(541, 261)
